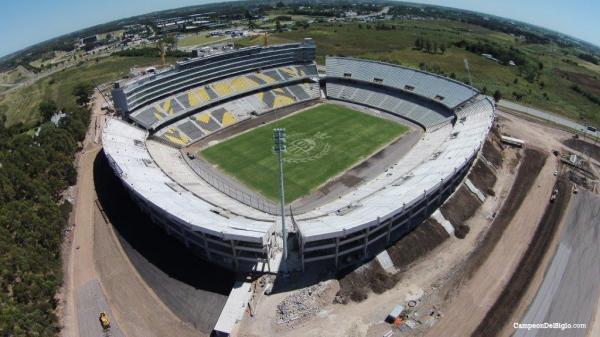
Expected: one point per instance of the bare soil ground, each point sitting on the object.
(356, 284)
(489, 267)
(136, 309)
(529, 169)
(416, 244)
(460, 207)
(582, 146)
(483, 177)
(492, 148)
(178, 278)
(502, 310)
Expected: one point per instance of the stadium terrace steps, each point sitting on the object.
(161, 112)
(390, 100)
(446, 91)
(431, 169)
(206, 122)
(131, 95)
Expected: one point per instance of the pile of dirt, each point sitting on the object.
(584, 147)
(459, 208)
(533, 162)
(356, 284)
(423, 239)
(580, 179)
(483, 177)
(492, 151)
(501, 311)
(304, 303)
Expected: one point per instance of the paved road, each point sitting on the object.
(547, 116)
(569, 292)
(90, 303)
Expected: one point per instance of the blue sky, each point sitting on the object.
(26, 22)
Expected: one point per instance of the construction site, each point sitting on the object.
(493, 240)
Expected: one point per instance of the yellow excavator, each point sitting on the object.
(104, 321)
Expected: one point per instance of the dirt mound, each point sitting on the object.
(356, 284)
(460, 208)
(483, 177)
(492, 151)
(583, 147)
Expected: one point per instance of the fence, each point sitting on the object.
(232, 189)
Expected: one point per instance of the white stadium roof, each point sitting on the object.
(433, 159)
(125, 147)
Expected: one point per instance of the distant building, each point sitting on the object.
(182, 23)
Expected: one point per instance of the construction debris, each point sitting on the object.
(303, 303)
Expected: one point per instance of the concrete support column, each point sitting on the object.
(366, 241)
(206, 246)
(337, 251)
(389, 231)
(302, 253)
(235, 260)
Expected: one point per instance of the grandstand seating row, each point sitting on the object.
(424, 113)
(201, 124)
(436, 88)
(138, 92)
(161, 111)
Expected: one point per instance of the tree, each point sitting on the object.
(82, 92)
(497, 96)
(278, 26)
(428, 46)
(47, 109)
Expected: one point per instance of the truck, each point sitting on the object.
(104, 321)
(512, 141)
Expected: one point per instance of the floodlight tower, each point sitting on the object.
(279, 148)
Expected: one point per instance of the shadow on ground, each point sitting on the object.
(193, 289)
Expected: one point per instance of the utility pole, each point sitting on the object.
(279, 148)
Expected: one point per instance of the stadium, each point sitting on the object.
(373, 150)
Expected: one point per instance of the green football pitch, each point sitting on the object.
(322, 142)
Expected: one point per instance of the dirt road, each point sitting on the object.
(136, 309)
(478, 295)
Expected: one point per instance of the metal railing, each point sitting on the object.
(231, 189)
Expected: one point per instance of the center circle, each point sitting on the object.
(302, 147)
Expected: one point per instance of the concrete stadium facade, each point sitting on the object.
(356, 226)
